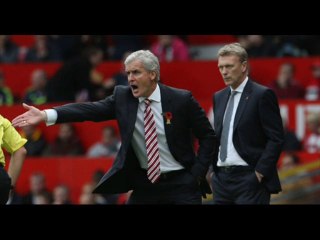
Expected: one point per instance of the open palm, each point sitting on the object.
(32, 117)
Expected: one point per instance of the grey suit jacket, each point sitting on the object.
(188, 120)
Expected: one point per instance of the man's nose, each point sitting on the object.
(224, 71)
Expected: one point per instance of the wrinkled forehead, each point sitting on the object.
(134, 65)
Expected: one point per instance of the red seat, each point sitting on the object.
(210, 39)
(23, 40)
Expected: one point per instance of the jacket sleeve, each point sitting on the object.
(273, 130)
(91, 111)
(203, 131)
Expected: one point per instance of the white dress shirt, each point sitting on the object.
(233, 157)
(167, 161)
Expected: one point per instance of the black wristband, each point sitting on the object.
(11, 187)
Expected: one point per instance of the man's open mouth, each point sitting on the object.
(134, 87)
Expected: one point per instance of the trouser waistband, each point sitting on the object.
(234, 169)
(167, 175)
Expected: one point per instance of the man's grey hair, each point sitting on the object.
(148, 59)
(234, 49)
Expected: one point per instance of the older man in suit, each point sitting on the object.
(157, 124)
(249, 129)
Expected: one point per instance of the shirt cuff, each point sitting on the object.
(52, 116)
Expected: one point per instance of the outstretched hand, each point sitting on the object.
(32, 117)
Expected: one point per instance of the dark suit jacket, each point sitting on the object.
(188, 119)
(257, 132)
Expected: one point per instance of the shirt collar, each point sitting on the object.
(240, 88)
(155, 96)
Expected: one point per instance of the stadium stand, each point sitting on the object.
(201, 77)
(71, 171)
(210, 39)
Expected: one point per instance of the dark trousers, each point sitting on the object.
(238, 185)
(5, 185)
(176, 187)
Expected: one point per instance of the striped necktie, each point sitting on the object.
(151, 143)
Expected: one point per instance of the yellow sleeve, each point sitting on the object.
(11, 139)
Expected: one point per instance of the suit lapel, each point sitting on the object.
(245, 97)
(221, 110)
(166, 103)
(132, 113)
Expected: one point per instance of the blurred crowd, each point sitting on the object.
(39, 194)
(50, 48)
(77, 80)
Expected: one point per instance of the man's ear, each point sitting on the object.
(153, 76)
(244, 66)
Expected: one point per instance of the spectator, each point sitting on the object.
(43, 51)
(36, 94)
(61, 195)
(42, 198)
(291, 142)
(66, 45)
(37, 187)
(285, 86)
(6, 97)
(291, 46)
(289, 161)
(170, 48)
(86, 196)
(311, 44)
(258, 45)
(36, 142)
(73, 81)
(313, 87)
(104, 198)
(108, 146)
(125, 43)
(83, 42)
(312, 138)
(295, 181)
(119, 78)
(67, 143)
(9, 52)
